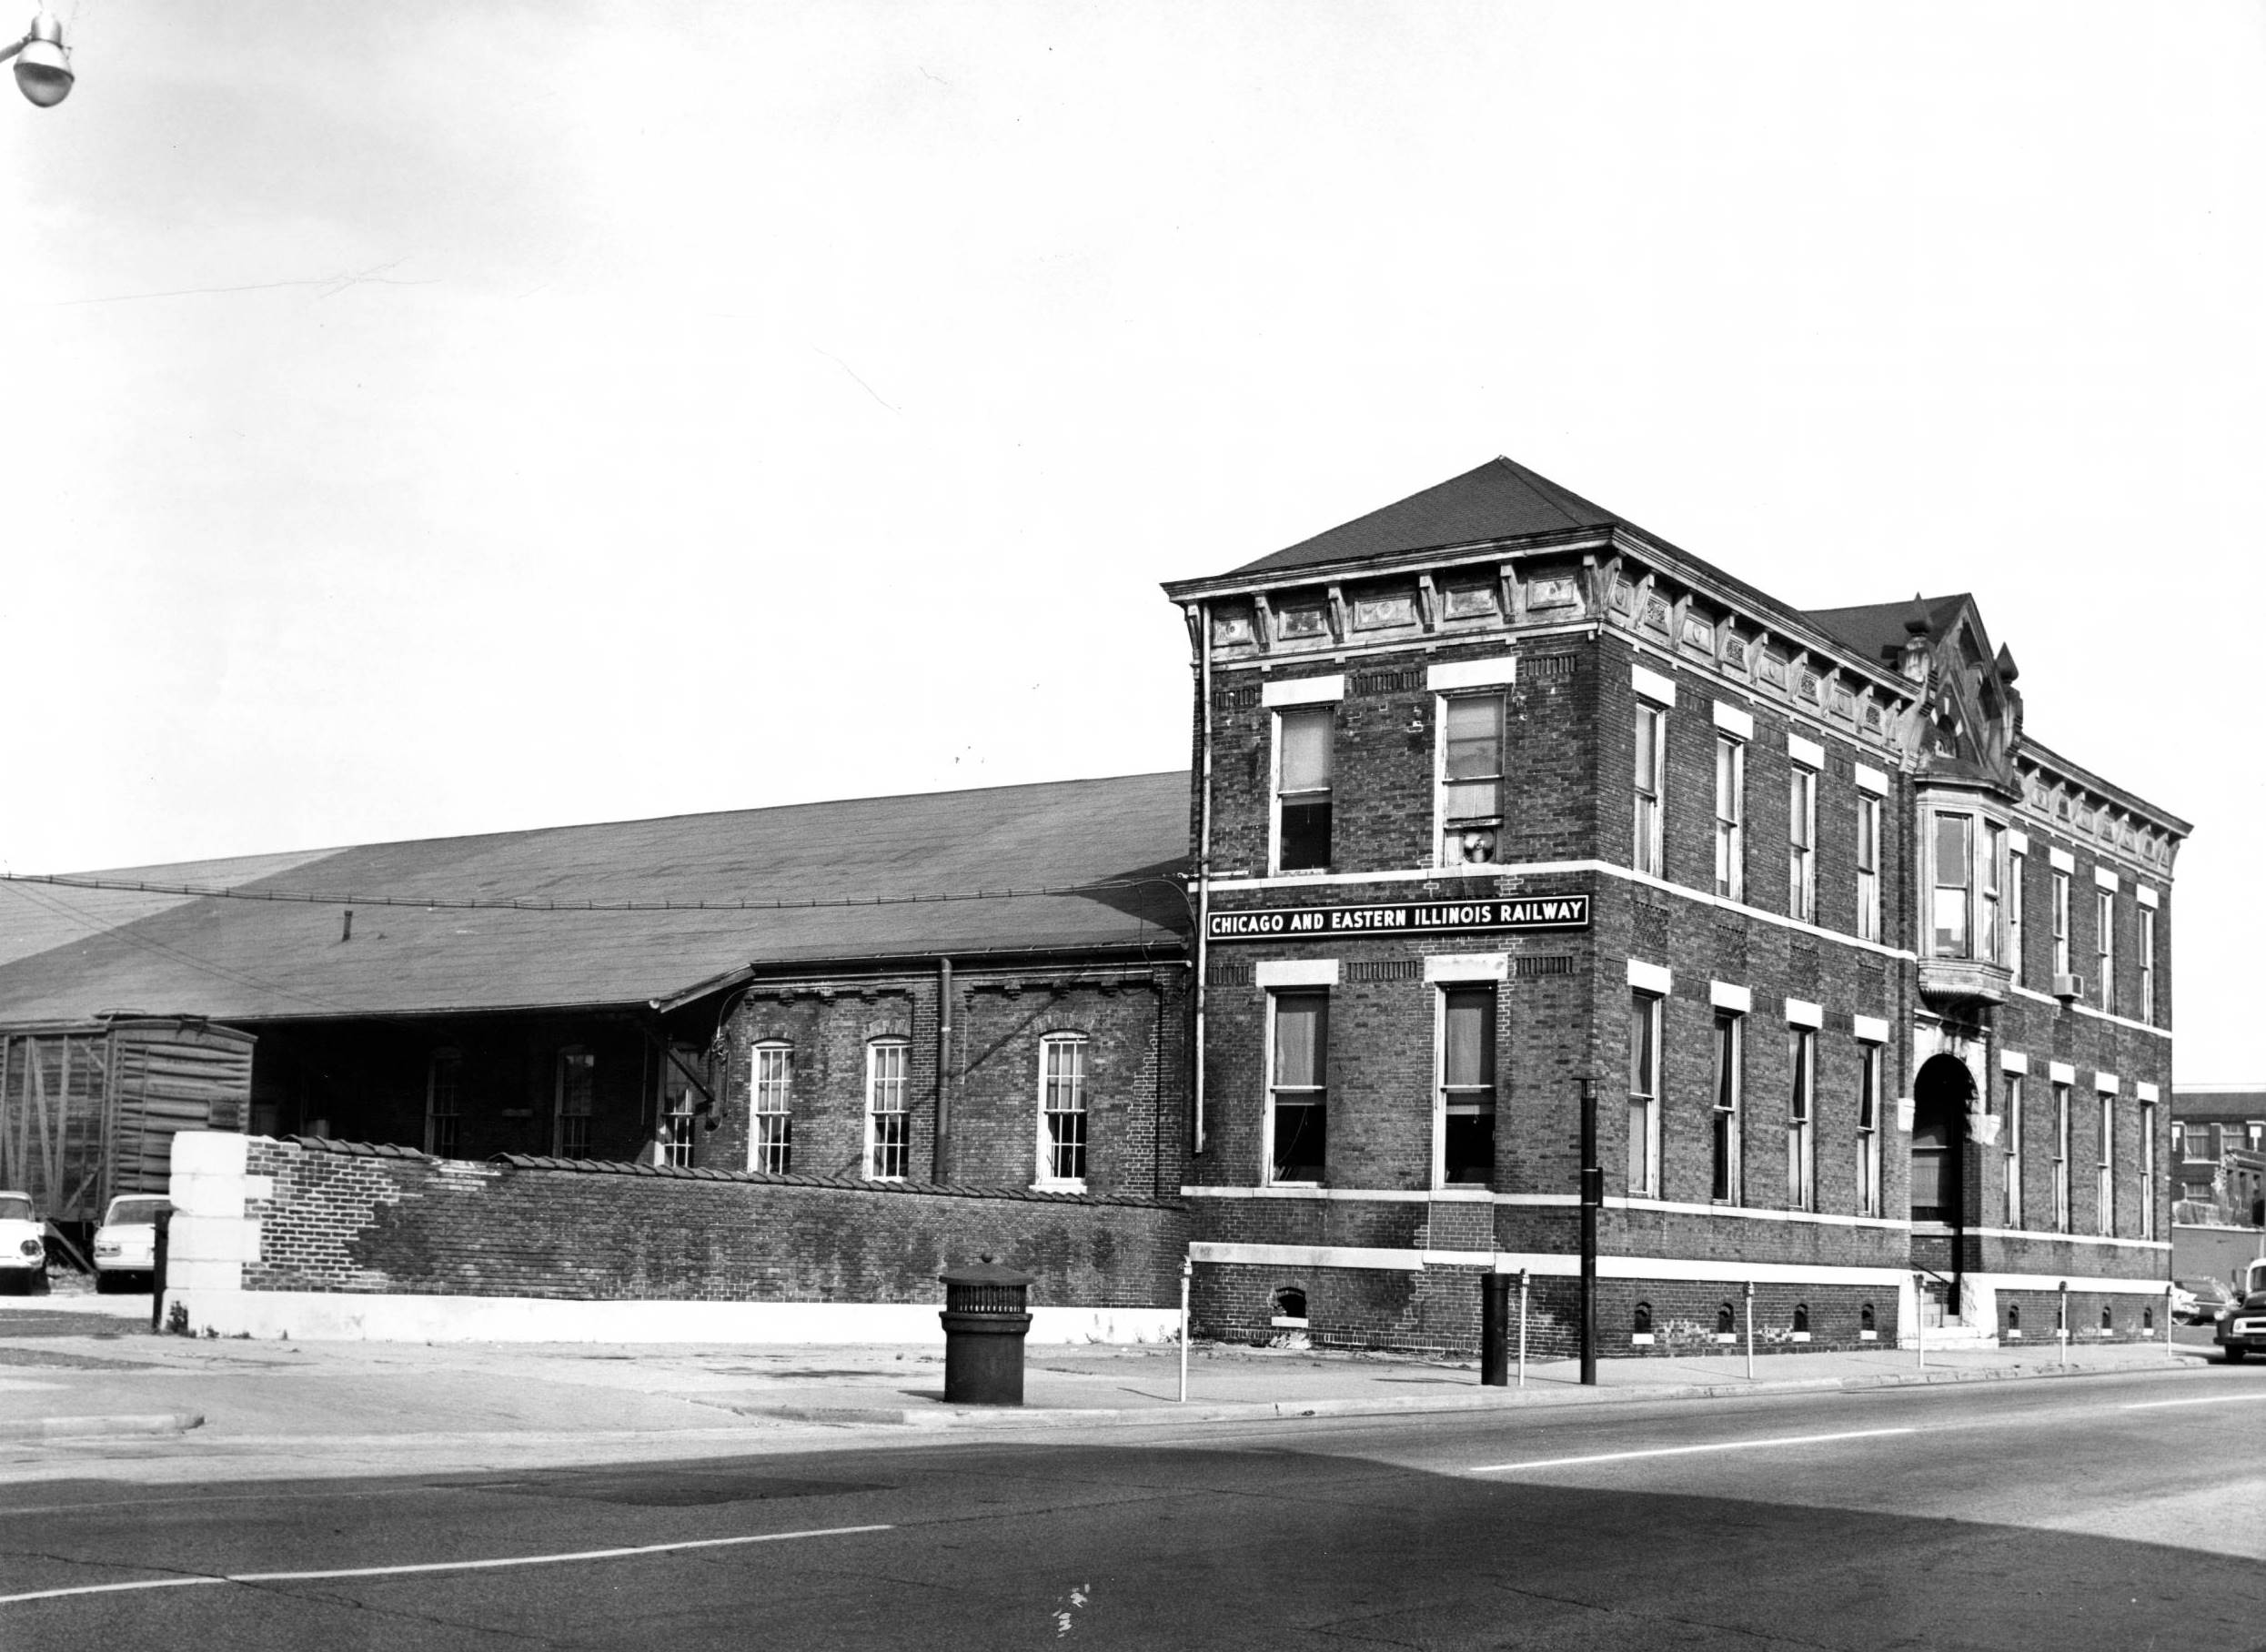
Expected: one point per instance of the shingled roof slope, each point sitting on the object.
(1876, 629)
(251, 960)
(1501, 499)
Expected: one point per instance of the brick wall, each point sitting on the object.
(348, 1218)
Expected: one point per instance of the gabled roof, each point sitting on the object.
(253, 958)
(1876, 630)
(1501, 499)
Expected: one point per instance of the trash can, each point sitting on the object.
(986, 1315)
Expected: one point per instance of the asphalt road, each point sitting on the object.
(2097, 1512)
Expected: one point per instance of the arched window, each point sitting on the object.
(1289, 1303)
(2107, 1325)
(1865, 1318)
(1063, 1110)
(772, 1139)
(1641, 1320)
(1727, 1319)
(2014, 1318)
(1801, 1318)
(2148, 1319)
(887, 1121)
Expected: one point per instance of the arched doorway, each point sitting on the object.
(1939, 1103)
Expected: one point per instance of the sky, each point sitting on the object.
(427, 419)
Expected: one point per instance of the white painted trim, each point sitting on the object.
(2011, 1062)
(2060, 1073)
(2061, 860)
(2047, 1282)
(1308, 1256)
(1303, 691)
(1874, 780)
(1295, 972)
(2105, 1083)
(2105, 878)
(2018, 842)
(1869, 1029)
(1806, 753)
(1493, 672)
(1731, 720)
(1652, 685)
(2147, 1092)
(1723, 995)
(1802, 1013)
(356, 1316)
(1751, 1213)
(1383, 1195)
(2047, 1235)
(2080, 1009)
(1650, 978)
(1467, 966)
(2144, 894)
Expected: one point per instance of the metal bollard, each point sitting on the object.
(1495, 1331)
(2061, 1322)
(1522, 1326)
(1747, 1293)
(2170, 1352)
(1187, 1268)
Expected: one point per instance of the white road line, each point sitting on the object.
(2215, 1399)
(438, 1565)
(1686, 1451)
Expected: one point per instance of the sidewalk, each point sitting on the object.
(86, 1369)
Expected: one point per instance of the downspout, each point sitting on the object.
(941, 1171)
(1204, 873)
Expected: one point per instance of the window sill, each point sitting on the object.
(1058, 1187)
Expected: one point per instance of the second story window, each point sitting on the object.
(1801, 831)
(1644, 1095)
(771, 1142)
(1651, 781)
(1731, 818)
(576, 1096)
(1303, 784)
(443, 1079)
(1868, 868)
(1987, 891)
(1467, 1085)
(2060, 1158)
(2105, 1166)
(1726, 1180)
(1062, 1111)
(1868, 1130)
(1471, 780)
(2011, 1145)
(1801, 1137)
(888, 1116)
(1954, 916)
(2061, 922)
(2105, 946)
(1298, 1100)
(2018, 865)
(2148, 1170)
(2148, 965)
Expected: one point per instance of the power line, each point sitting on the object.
(441, 903)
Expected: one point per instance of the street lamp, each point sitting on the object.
(43, 64)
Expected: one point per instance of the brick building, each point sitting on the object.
(1501, 801)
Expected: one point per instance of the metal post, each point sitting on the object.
(1495, 1331)
(1187, 1268)
(2061, 1329)
(1746, 1293)
(2170, 1352)
(1522, 1327)
(1919, 1317)
(1592, 1196)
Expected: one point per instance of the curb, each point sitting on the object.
(938, 1417)
(98, 1428)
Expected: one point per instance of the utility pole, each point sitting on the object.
(1591, 1197)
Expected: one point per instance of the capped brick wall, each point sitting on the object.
(345, 1218)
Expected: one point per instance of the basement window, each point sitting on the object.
(1290, 1308)
(1640, 1323)
(1868, 1329)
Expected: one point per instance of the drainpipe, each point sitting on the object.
(940, 1171)
(1204, 873)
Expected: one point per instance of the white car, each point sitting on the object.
(22, 1253)
(126, 1241)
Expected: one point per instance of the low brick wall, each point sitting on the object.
(351, 1219)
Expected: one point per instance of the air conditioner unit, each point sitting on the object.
(2068, 987)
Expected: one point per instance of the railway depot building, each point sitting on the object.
(1501, 802)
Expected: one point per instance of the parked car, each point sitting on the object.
(2242, 1329)
(2199, 1302)
(125, 1243)
(23, 1253)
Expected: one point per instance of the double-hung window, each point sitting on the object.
(1304, 739)
(1726, 1182)
(2148, 1169)
(1731, 818)
(888, 1115)
(1868, 1129)
(1467, 1085)
(771, 1143)
(2105, 946)
(574, 1097)
(1645, 843)
(2105, 1165)
(2061, 922)
(1801, 830)
(2010, 1147)
(2147, 943)
(1471, 780)
(443, 1080)
(1867, 867)
(1062, 1111)
(1801, 1134)
(1298, 1096)
(2017, 864)
(1953, 930)
(1644, 1095)
(2060, 1158)
(674, 1135)
(1987, 891)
